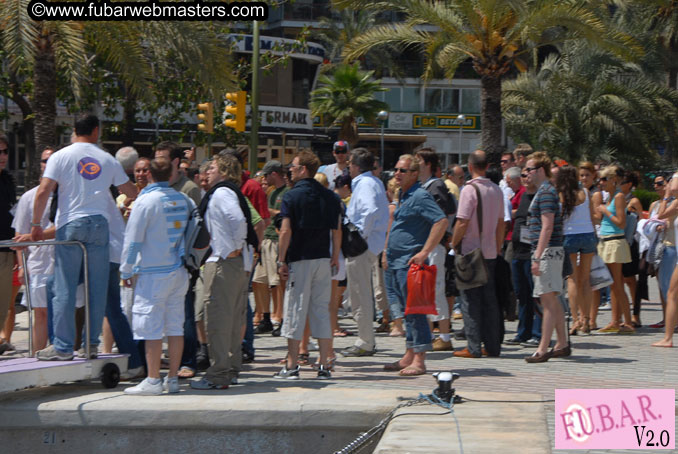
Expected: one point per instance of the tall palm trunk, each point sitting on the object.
(490, 97)
(44, 106)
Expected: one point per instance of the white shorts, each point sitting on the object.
(39, 297)
(158, 308)
(551, 268)
(308, 296)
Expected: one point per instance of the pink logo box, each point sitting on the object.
(615, 419)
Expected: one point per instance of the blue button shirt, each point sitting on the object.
(412, 221)
(368, 210)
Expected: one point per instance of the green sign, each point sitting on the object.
(471, 122)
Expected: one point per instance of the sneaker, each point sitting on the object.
(440, 345)
(171, 384)
(234, 380)
(10, 347)
(659, 325)
(204, 384)
(247, 356)
(202, 358)
(288, 374)
(323, 374)
(52, 354)
(277, 328)
(456, 315)
(4, 347)
(534, 342)
(460, 335)
(514, 341)
(93, 352)
(265, 326)
(354, 350)
(605, 306)
(131, 374)
(146, 388)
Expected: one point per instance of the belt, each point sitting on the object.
(234, 254)
(615, 237)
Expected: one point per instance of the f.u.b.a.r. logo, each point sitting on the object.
(89, 168)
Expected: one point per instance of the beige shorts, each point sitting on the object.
(614, 251)
(308, 295)
(266, 271)
(550, 279)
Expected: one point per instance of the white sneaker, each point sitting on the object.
(171, 384)
(146, 388)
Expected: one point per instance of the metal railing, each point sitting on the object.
(27, 284)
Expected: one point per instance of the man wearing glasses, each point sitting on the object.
(7, 201)
(332, 171)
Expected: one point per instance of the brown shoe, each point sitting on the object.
(440, 345)
(537, 358)
(465, 353)
(561, 352)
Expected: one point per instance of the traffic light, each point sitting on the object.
(207, 117)
(236, 109)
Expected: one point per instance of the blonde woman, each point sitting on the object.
(614, 249)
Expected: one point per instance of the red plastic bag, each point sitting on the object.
(421, 290)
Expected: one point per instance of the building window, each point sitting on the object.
(410, 99)
(392, 98)
(441, 100)
(470, 100)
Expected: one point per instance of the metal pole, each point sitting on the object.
(85, 262)
(382, 144)
(27, 288)
(461, 131)
(254, 129)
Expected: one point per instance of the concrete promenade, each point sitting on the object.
(360, 393)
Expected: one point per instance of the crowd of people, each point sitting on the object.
(546, 234)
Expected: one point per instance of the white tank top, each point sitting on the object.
(579, 221)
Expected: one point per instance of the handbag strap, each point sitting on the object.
(479, 214)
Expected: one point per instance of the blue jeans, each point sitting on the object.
(483, 322)
(122, 333)
(190, 332)
(92, 231)
(529, 323)
(417, 331)
(248, 340)
(668, 264)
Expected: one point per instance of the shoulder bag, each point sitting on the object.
(471, 270)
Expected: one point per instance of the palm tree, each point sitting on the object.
(588, 104)
(344, 97)
(494, 34)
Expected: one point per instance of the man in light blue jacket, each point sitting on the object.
(153, 249)
(368, 211)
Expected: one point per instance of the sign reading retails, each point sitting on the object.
(615, 419)
(471, 122)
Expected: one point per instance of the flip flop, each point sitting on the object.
(342, 333)
(186, 372)
(412, 372)
(393, 367)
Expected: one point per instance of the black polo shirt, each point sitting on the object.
(313, 211)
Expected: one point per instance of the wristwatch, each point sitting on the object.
(279, 264)
(33, 224)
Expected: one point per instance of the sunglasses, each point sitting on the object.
(524, 175)
(401, 170)
(504, 161)
(603, 179)
(659, 183)
(530, 169)
(340, 151)
(4, 151)
(44, 161)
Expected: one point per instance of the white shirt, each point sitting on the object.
(332, 171)
(368, 210)
(84, 173)
(226, 223)
(40, 260)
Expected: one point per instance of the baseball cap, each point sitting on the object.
(340, 146)
(272, 166)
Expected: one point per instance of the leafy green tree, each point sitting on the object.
(587, 104)
(344, 97)
(495, 35)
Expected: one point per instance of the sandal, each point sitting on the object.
(186, 372)
(393, 367)
(383, 328)
(411, 371)
(304, 359)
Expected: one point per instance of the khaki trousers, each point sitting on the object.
(360, 295)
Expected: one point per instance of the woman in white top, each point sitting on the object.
(580, 243)
(668, 208)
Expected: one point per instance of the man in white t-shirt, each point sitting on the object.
(84, 173)
(332, 171)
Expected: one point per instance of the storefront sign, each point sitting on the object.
(471, 122)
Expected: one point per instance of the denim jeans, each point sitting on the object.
(92, 231)
(529, 323)
(417, 331)
(483, 321)
(668, 264)
(122, 333)
(190, 332)
(248, 340)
